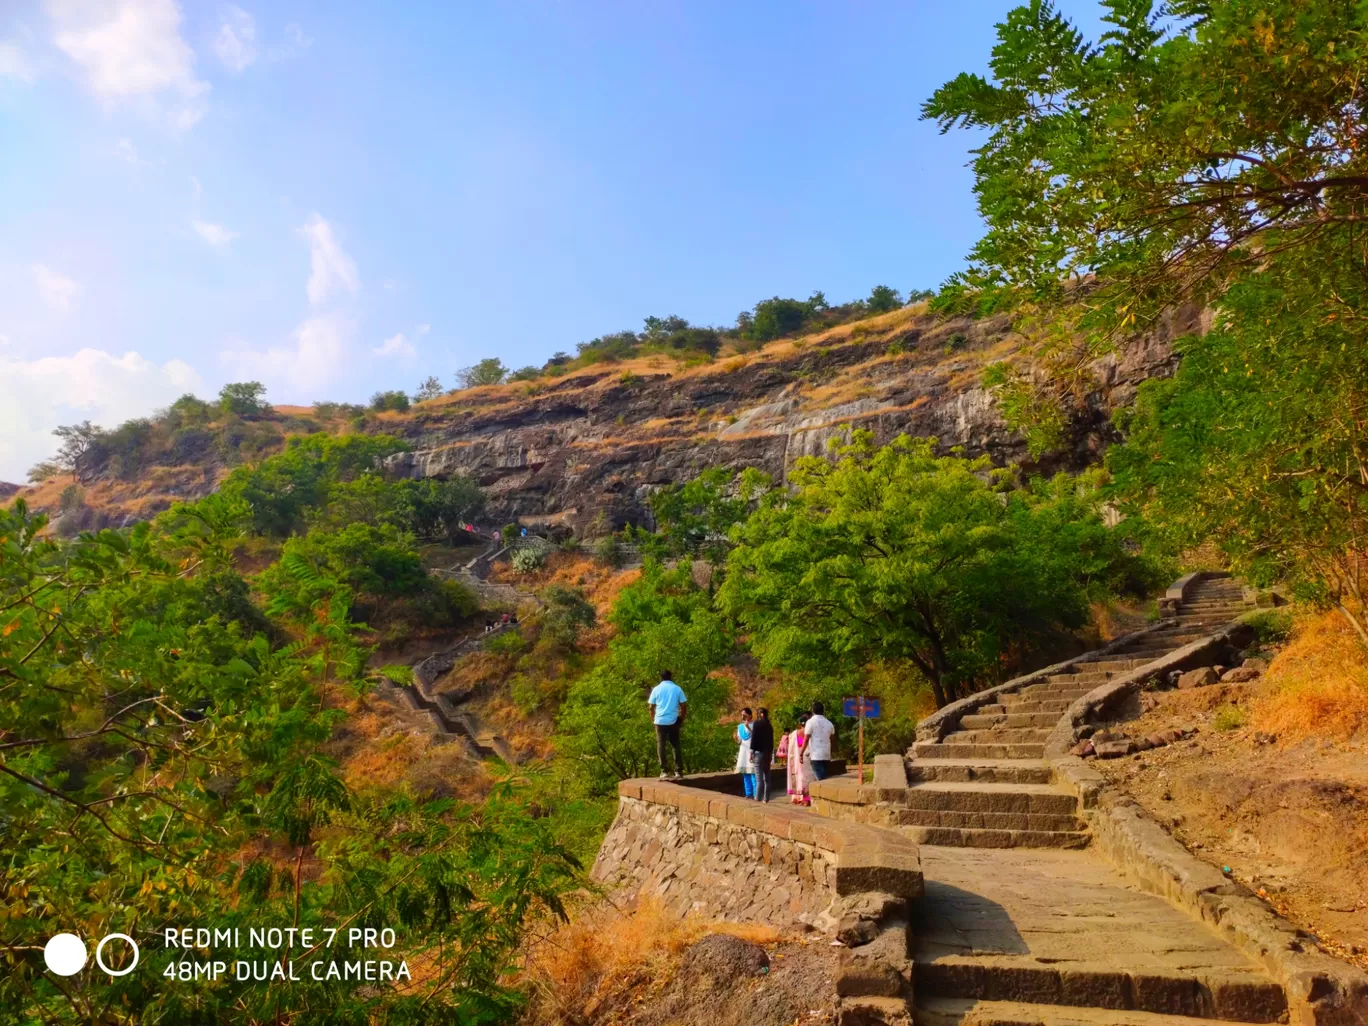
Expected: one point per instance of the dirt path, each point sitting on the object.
(1291, 822)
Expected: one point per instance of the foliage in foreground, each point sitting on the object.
(163, 763)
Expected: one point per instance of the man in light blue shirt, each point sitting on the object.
(669, 705)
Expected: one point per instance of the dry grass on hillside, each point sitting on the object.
(605, 953)
(1317, 686)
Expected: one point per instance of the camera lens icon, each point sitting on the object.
(66, 955)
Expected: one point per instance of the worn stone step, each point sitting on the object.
(944, 750)
(944, 1011)
(998, 736)
(1216, 994)
(1123, 664)
(960, 837)
(1041, 799)
(1024, 705)
(987, 771)
(984, 720)
(873, 1011)
(1046, 822)
(1080, 678)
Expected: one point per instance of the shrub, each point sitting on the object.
(528, 560)
(608, 552)
(1228, 717)
(1272, 626)
(73, 497)
(392, 400)
(509, 643)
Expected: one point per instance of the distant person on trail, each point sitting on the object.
(819, 731)
(742, 734)
(762, 752)
(669, 706)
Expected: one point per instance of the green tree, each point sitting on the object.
(282, 489)
(244, 398)
(664, 622)
(775, 317)
(696, 517)
(430, 388)
(1168, 156)
(883, 299)
(394, 400)
(894, 554)
(566, 613)
(489, 371)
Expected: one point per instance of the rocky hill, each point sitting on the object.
(585, 449)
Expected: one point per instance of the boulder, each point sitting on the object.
(855, 931)
(1198, 678)
(1240, 675)
(1255, 663)
(1083, 749)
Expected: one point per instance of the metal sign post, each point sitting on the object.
(861, 708)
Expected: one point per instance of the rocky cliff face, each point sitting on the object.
(585, 451)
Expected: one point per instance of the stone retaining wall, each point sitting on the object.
(700, 851)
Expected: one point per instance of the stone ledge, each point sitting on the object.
(866, 858)
(1321, 991)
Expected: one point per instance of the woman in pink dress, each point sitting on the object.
(797, 771)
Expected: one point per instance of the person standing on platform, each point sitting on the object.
(762, 753)
(669, 706)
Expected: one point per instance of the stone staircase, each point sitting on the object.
(986, 784)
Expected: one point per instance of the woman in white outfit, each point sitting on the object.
(743, 753)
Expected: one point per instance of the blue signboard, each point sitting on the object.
(851, 707)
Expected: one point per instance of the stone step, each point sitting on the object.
(1037, 799)
(983, 720)
(1055, 692)
(1125, 663)
(1020, 821)
(874, 1011)
(987, 771)
(959, 837)
(1052, 705)
(943, 1011)
(942, 750)
(1217, 994)
(998, 736)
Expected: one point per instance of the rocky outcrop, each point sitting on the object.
(588, 450)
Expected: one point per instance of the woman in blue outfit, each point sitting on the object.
(743, 754)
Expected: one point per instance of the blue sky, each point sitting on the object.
(339, 197)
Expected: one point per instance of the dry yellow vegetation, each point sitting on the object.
(1317, 686)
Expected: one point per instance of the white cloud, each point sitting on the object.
(315, 355)
(397, 346)
(130, 49)
(236, 40)
(54, 288)
(214, 234)
(196, 188)
(15, 63)
(125, 150)
(37, 395)
(330, 267)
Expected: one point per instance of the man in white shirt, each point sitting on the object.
(669, 706)
(819, 731)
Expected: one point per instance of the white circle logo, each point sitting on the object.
(65, 954)
(100, 947)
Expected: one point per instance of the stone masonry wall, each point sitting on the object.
(700, 851)
(696, 864)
